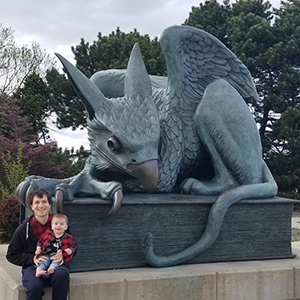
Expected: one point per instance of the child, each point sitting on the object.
(53, 240)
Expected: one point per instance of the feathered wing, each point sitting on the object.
(111, 82)
(194, 59)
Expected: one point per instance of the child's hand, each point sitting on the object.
(68, 251)
(38, 252)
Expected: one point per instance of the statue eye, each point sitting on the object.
(113, 144)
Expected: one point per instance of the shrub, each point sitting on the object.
(9, 218)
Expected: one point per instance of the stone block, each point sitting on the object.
(257, 284)
(252, 230)
(176, 288)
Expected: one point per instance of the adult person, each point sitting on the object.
(22, 247)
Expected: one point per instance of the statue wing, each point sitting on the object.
(194, 59)
(111, 82)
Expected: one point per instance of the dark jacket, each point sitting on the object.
(21, 249)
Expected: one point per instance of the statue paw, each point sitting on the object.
(187, 185)
(215, 187)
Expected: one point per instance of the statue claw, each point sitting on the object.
(117, 201)
(21, 191)
(28, 192)
(59, 201)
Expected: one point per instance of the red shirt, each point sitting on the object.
(38, 228)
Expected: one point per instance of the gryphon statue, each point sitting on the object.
(152, 134)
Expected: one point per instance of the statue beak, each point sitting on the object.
(147, 173)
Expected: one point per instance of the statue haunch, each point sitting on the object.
(152, 134)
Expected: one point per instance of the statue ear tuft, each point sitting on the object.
(137, 81)
(91, 97)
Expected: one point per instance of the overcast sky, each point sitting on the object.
(59, 24)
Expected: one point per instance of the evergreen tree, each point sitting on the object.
(113, 52)
(34, 101)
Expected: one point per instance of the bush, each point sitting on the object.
(9, 218)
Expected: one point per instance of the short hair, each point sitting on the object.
(60, 216)
(38, 193)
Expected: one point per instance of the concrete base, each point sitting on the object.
(247, 280)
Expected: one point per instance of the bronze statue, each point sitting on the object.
(192, 133)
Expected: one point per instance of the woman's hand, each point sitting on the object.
(58, 257)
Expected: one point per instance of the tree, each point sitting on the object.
(64, 102)
(34, 101)
(72, 162)
(211, 17)
(14, 171)
(113, 51)
(285, 160)
(16, 129)
(40, 99)
(17, 63)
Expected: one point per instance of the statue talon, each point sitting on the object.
(59, 201)
(24, 189)
(117, 202)
(30, 189)
(21, 192)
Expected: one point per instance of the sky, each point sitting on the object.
(59, 24)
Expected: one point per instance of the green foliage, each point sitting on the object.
(34, 101)
(15, 172)
(113, 51)
(72, 162)
(211, 17)
(64, 101)
(285, 160)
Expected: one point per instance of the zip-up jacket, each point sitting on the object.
(21, 249)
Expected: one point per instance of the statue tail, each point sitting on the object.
(266, 189)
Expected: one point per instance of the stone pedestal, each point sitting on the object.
(248, 280)
(252, 230)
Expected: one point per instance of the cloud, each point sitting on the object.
(67, 138)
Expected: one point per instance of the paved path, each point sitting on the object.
(296, 222)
